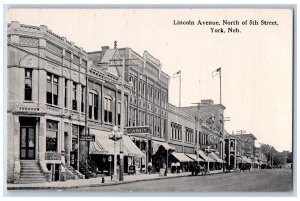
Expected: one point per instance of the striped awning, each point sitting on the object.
(205, 157)
(194, 157)
(157, 144)
(181, 157)
(105, 146)
(214, 156)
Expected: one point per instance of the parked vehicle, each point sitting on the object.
(245, 166)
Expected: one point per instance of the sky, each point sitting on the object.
(256, 62)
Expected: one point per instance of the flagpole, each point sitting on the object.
(220, 86)
(180, 90)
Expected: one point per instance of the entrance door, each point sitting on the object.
(27, 143)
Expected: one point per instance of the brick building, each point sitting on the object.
(147, 105)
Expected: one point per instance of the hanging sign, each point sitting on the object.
(87, 138)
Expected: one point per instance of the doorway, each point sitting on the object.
(27, 138)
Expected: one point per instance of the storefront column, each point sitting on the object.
(67, 144)
(42, 139)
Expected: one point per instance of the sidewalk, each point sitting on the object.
(96, 182)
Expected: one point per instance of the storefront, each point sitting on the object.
(102, 150)
(181, 159)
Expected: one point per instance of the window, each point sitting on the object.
(82, 98)
(83, 63)
(67, 55)
(74, 96)
(66, 93)
(76, 60)
(93, 105)
(119, 113)
(51, 136)
(28, 84)
(52, 89)
(176, 131)
(107, 110)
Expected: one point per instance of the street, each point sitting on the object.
(266, 180)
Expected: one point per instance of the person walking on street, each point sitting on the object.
(149, 167)
(178, 167)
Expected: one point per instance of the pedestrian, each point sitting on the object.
(178, 167)
(173, 167)
(149, 167)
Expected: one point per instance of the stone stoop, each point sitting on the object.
(31, 172)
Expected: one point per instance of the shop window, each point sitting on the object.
(28, 84)
(107, 110)
(52, 89)
(51, 136)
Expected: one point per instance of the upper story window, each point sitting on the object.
(82, 105)
(29, 41)
(52, 89)
(28, 84)
(107, 110)
(189, 135)
(66, 93)
(68, 55)
(76, 60)
(54, 49)
(83, 63)
(176, 131)
(119, 113)
(93, 105)
(74, 96)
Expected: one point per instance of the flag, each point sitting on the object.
(216, 72)
(176, 74)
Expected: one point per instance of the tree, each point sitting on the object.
(290, 157)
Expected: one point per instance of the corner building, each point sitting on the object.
(46, 103)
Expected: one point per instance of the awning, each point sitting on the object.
(156, 145)
(181, 157)
(205, 157)
(105, 146)
(244, 159)
(214, 156)
(132, 148)
(194, 157)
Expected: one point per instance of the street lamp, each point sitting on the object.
(115, 136)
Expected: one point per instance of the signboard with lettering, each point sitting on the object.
(52, 156)
(87, 138)
(138, 130)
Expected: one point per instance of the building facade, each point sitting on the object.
(46, 99)
(212, 118)
(148, 100)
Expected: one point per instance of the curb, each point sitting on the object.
(101, 184)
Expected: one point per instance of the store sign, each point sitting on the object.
(87, 138)
(52, 156)
(138, 130)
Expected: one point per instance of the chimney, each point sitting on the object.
(104, 48)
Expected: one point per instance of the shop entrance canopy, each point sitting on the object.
(181, 157)
(105, 146)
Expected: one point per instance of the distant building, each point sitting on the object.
(212, 116)
(246, 144)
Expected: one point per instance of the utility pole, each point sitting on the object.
(122, 119)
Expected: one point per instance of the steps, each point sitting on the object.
(85, 171)
(72, 174)
(31, 172)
